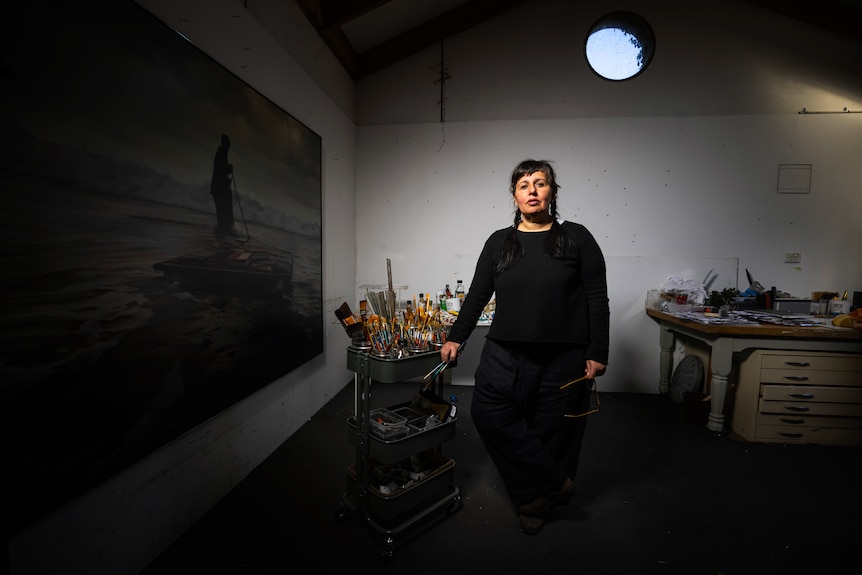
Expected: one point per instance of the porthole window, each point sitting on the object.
(619, 46)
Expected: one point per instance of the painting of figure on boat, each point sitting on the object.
(161, 229)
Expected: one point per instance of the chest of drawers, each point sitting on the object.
(799, 397)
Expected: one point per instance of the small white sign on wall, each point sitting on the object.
(794, 178)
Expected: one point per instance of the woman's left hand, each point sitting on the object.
(594, 369)
(449, 351)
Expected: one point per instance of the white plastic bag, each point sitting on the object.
(695, 291)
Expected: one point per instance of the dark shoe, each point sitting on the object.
(541, 504)
(530, 524)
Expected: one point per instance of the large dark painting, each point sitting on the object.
(161, 244)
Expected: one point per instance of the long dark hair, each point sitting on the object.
(557, 240)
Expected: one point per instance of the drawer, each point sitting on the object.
(811, 393)
(810, 376)
(810, 408)
(803, 420)
(815, 361)
(822, 435)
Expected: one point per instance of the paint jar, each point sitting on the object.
(418, 348)
(360, 344)
(839, 306)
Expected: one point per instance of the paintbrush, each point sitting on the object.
(344, 315)
(438, 369)
(391, 293)
(565, 385)
(355, 329)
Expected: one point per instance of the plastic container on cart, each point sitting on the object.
(388, 509)
(387, 424)
(424, 423)
(408, 412)
(395, 448)
(417, 421)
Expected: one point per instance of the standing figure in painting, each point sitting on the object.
(220, 188)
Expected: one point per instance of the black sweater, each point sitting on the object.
(541, 298)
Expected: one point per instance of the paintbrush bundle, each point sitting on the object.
(353, 325)
(378, 328)
(382, 303)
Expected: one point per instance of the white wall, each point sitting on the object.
(122, 525)
(676, 167)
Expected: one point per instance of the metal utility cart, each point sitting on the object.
(391, 513)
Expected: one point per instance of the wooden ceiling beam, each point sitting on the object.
(843, 18)
(326, 14)
(429, 33)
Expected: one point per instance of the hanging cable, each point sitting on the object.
(444, 76)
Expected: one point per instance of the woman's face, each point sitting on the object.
(533, 194)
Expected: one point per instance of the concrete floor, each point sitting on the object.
(658, 493)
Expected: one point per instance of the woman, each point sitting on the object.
(551, 326)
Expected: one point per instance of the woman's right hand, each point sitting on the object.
(449, 351)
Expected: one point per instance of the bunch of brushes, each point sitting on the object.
(395, 337)
(353, 325)
(426, 318)
(386, 335)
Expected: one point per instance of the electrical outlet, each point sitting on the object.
(792, 257)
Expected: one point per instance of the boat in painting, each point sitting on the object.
(232, 266)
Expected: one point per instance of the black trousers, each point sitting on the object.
(523, 417)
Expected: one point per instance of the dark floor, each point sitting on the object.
(657, 494)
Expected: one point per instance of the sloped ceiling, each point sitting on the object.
(369, 35)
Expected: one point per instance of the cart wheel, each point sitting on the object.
(454, 505)
(388, 550)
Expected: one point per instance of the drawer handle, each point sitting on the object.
(796, 407)
(796, 377)
(791, 421)
(797, 363)
(801, 395)
(791, 435)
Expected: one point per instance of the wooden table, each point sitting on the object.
(724, 340)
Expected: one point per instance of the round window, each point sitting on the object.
(619, 46)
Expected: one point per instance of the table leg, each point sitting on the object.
(666, 341)
(721, 359)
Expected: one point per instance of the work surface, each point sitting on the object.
(726, 339)
(827, 332)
